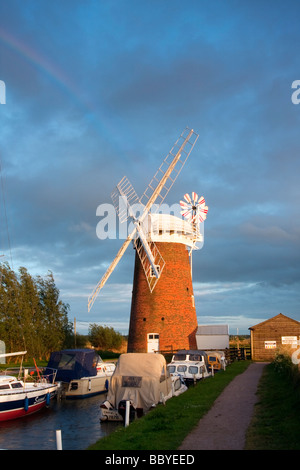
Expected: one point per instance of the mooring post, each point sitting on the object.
(58, 440)
(127, 413)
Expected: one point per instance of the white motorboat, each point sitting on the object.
(190, 371)
(192, 355)
(82, 372)
(142, 379)
(190, 365)
(19, 398)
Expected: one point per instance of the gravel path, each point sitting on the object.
(225, 425)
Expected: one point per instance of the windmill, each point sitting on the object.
(152, 235)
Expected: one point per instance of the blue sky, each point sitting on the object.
(96, 90)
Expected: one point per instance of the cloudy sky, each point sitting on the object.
(99, 89)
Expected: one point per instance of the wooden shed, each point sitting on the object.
(268, 336)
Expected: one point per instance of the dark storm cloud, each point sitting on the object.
(96, 91)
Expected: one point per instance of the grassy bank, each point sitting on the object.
(276, 421)
(165, 427)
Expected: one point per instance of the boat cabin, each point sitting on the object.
(216, 360)
(189, 372)
(8, 382)
(190, 355)
(73, 364)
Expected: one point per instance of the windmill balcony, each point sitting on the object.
(171, 229)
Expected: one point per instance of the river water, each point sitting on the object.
(78, 421)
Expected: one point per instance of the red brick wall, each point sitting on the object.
(169, 309)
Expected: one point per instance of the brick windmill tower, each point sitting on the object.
(163, 313)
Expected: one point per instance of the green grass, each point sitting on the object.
(276, 421)
(165, 427)
(29, 364)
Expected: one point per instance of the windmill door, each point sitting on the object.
(152, 342)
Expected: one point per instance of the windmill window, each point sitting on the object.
(152, 273)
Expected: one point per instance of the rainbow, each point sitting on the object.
(61, 79)
(36, 59)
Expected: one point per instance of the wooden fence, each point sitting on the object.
(238, 354)
(231, 354)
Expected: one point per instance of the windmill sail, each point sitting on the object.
(103, 280)
(170, 168)
(123, 197)
(152, 269)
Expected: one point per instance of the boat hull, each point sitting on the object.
(109, 413)
(23, 403)
(86, 387)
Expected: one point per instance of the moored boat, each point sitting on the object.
(216, 360)
(142, 379)
(191, 365)
(81, 372)
(19, 398)
(190, 355)
(190, 371)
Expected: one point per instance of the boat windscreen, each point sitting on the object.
(196, 357)
(179, 357)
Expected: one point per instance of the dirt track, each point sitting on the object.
(225, 425)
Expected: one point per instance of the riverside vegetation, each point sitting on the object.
(276, 421)
(32, 316)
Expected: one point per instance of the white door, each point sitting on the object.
(152, 342)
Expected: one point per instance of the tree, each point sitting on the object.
(54, 315)
(32, 316)
(104, 337)
(31, 312)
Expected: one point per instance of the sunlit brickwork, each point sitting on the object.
(169, 310)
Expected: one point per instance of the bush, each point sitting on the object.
(108, 355)
(104, 337)
(284, 365)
